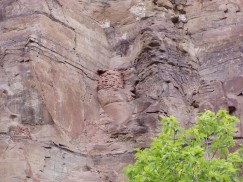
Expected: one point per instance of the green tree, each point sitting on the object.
(198, 154)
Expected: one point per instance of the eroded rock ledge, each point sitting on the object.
(82, 83)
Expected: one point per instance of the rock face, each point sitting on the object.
(82, 83)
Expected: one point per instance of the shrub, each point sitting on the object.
(198, 154)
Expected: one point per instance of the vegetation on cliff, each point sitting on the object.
(198, 154)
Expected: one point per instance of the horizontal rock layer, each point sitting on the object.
(83, 83)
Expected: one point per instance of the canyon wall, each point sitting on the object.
(84, 82)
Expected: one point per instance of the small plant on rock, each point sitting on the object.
(198, 154)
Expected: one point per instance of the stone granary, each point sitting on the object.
(77, 95)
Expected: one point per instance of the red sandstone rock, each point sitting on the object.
(83, 83)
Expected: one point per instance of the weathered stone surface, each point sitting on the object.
(216, 30)
(82, 83)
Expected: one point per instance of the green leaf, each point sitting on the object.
(197, 154)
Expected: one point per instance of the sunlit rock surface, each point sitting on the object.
(83, 82)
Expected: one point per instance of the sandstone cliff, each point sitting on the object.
(82, 82)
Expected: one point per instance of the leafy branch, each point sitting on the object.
(198, 154)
